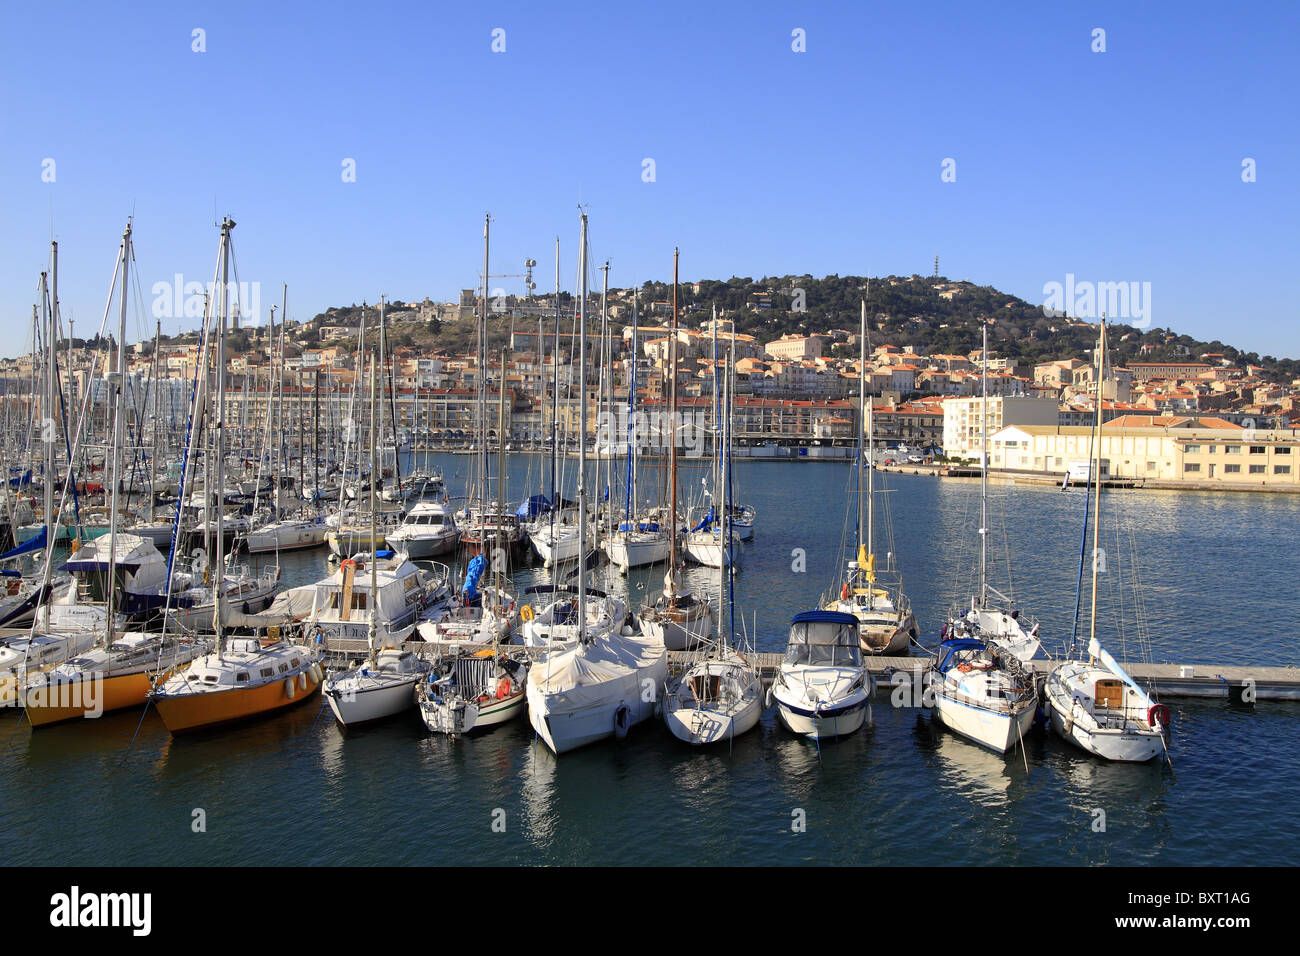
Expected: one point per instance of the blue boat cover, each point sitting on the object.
(473, 573)
(35, 544)
(705, 523)
(824, 617)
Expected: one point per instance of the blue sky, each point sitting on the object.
(1117, 166)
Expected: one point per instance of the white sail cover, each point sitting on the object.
(583, 673)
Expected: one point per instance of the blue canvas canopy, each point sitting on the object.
(705, 523)
(533, 506)
(473, 573)
(35, 544)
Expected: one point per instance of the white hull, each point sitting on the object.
(567, 719)
(997, 731)
(626, 554)
(823, 728)
(384, 698)
(1114, 745)
(461, 717)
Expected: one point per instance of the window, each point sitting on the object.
(1258, 449)
(241, 678)
(1232, 469)
(1191, 466)
(1151, 466)
(1232, 449)
(1282, 450)
(267, 672)
(1257, 469)
(1210, 449)
(1193, 449)
(1281, 469)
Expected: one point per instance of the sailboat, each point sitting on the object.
(720, 696)
(384, 683)
(242, 677)
(992, 615)
(1095, 704)
(874, 596)
(602, 685)
(981, 688)
(676, 617)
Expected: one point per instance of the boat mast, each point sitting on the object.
(984, 465)
(153, 438)
(119, 411)
(48, 414)
(582, 432)
(497, 562)
(219, 581)
(607, 391)
(670, 580)
(481, 389)
(374, 470)
(1096, 457)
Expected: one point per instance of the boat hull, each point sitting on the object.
(829, 724)
(368, 704)
(999, 732)
(185, 713)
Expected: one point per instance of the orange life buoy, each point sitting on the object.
(964, 668)
(503, 690)
(844, 592)
(1158, 714)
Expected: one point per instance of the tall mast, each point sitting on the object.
(670, 581)
(501, 469)
(219, 577)
(862, 411)
(582, 431)
(481, 358)
(607, 397)
(47, 412)
(119, 412)
(153, 438)
(1096, 464)
(984, 465)
(373, 600)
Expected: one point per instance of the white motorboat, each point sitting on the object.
(289, 534)
(429, 530)
(635, 544)
(822, 689)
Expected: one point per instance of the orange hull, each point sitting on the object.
(205, 709)
(88, 698)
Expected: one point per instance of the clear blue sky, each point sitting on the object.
(1115, 166)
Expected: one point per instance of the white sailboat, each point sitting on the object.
(600, 686)
(992, 616)
(1095, 704)
(886, 624)
(719, 697)
(676, 617)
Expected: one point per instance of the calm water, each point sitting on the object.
(1215, 575)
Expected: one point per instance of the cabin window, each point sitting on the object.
(294, 662)
(267, 672)
(283, 668)
(358, 602)
(241, 678)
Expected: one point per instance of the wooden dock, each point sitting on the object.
(1226, 682)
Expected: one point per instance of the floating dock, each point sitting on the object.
(1226, 682)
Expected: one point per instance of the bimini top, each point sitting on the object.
(824, 617)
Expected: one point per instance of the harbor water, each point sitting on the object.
(1189, 578)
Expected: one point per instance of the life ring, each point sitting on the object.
(1158, 714)
(964, 668)
(844, 592)
(526, 613)
(503, 689)
(345, 562)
